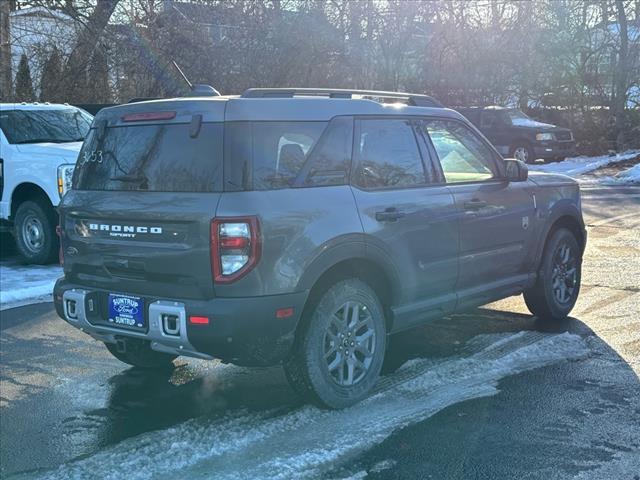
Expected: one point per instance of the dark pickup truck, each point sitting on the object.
(516, 135)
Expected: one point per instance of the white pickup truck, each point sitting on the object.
(39, 145)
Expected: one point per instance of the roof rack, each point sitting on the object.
(412, 99)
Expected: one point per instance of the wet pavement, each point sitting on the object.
(486, 394)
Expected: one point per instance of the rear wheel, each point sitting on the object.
(35, 232)
(339, 352)
(558, 284)
(139, 354)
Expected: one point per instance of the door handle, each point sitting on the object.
(391, 214)
(474, 204)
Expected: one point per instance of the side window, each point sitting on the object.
(494, 119)
(463, 156)
(387, 155)
(267, 155)
(472, 115)
(489, 119)
(279, 151)
(329, 163)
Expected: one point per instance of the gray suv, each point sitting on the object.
(302, 227)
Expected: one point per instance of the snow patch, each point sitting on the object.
(576, 166)
(383, 465)
(23, 284)
(628, 176)
(306, 442)
(357, 476)
(624, 465)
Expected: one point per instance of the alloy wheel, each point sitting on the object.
(564, 275)
(349, 343)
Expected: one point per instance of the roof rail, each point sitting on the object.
(412, 99)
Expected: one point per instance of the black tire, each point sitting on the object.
(307, 370)
(35, 232)
(527, 155)
(139, 354)
(555, 277)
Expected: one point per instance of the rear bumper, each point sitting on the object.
(244, 331)
(554, 149)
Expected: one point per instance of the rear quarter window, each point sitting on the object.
(274, 155)
(155, 158)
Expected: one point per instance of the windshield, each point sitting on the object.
(519, 118)
(45, 126)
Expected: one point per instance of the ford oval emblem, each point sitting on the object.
(72, 250)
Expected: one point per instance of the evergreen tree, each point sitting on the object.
(24, 85)
(51, 85)
(98, 79)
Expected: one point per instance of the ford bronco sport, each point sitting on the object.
(302, 227)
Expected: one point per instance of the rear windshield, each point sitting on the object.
(45, 126)
(154, 158)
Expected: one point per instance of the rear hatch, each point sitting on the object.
(146, 186)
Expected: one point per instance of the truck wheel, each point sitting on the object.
(558, 283)
(338, 354)
(139, 354)
(35, 232)
(523, 152)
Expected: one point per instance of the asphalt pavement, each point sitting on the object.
(488, 394)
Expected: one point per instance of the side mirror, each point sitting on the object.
(516, 170)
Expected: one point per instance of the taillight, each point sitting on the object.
(235, 247)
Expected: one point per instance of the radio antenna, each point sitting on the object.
(182, 74)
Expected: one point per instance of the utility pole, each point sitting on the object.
(5, 50)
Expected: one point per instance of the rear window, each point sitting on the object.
(155, 158)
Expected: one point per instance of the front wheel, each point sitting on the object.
(35, 232)
(138, 353)
(558, 284)
(522, 152)
(338, 354)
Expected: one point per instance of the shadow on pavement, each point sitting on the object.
(447, 336)
(140, 401)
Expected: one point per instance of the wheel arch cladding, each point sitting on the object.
(520, 141)
(367, 270)
(28, 191)
(564, 220)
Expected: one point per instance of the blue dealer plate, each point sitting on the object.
(126, 311)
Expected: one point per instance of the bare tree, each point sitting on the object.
(89, 36)
(621, 74)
